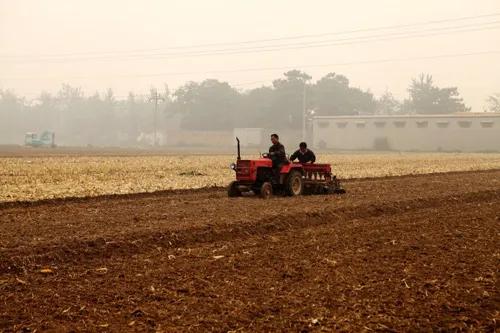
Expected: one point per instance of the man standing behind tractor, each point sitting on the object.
(303, 154)
(277, 155)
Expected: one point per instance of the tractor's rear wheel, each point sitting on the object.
(233, 190)
(295, 184)
(266, 190)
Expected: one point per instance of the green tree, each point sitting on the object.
(288, 102)
(334, 97)
(209, 105)
(426, 98)
(256, 108)
(99, 118)
(13, 116)
(43, 112)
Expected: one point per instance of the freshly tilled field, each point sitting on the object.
(408, 253)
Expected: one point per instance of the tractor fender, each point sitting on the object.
(286, 169)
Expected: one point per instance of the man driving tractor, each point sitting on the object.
(304, 154)
(274, 174)
(277, 155)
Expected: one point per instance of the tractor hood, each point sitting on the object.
(246, 170)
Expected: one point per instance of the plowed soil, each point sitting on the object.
(413, 253)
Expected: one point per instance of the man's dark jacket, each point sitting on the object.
(308, 156)
(277, 154)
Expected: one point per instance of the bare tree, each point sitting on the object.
(494, 103)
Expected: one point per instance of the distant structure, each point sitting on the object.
(45, 139)
(251, 137)
(468, 132)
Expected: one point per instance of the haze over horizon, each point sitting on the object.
(132, 45)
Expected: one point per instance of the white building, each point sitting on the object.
(250, 137)
(455, 132)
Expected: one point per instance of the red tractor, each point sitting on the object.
(257, 176)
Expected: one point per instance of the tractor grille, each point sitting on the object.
(243, 168)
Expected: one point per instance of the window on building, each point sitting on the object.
(400, 123)
(464, 123)
(323, 124)
(487, 124)
(342, 124)
(360, 124)
(442, 124)
(379, 124)
(422, 124)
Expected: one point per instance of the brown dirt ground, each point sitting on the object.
(413, 253)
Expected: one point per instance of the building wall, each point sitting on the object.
(250, 137)
(408, 133)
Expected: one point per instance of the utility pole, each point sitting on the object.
(304, 112)
(155, 97)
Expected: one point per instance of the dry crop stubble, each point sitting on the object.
(38, 178)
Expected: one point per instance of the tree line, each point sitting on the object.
(211, 105)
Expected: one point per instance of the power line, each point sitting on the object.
(284, 68)
(257, 41)
(365, 62)
(317, 44)
(263, 69)
(348, 41)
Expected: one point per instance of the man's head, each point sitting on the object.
(303, 147)
(275, 138)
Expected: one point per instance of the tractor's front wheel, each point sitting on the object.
(233, 190)
(266, 190)
(295, 184)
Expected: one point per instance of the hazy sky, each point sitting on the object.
(133, 45)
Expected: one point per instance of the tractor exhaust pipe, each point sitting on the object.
(238, 145)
